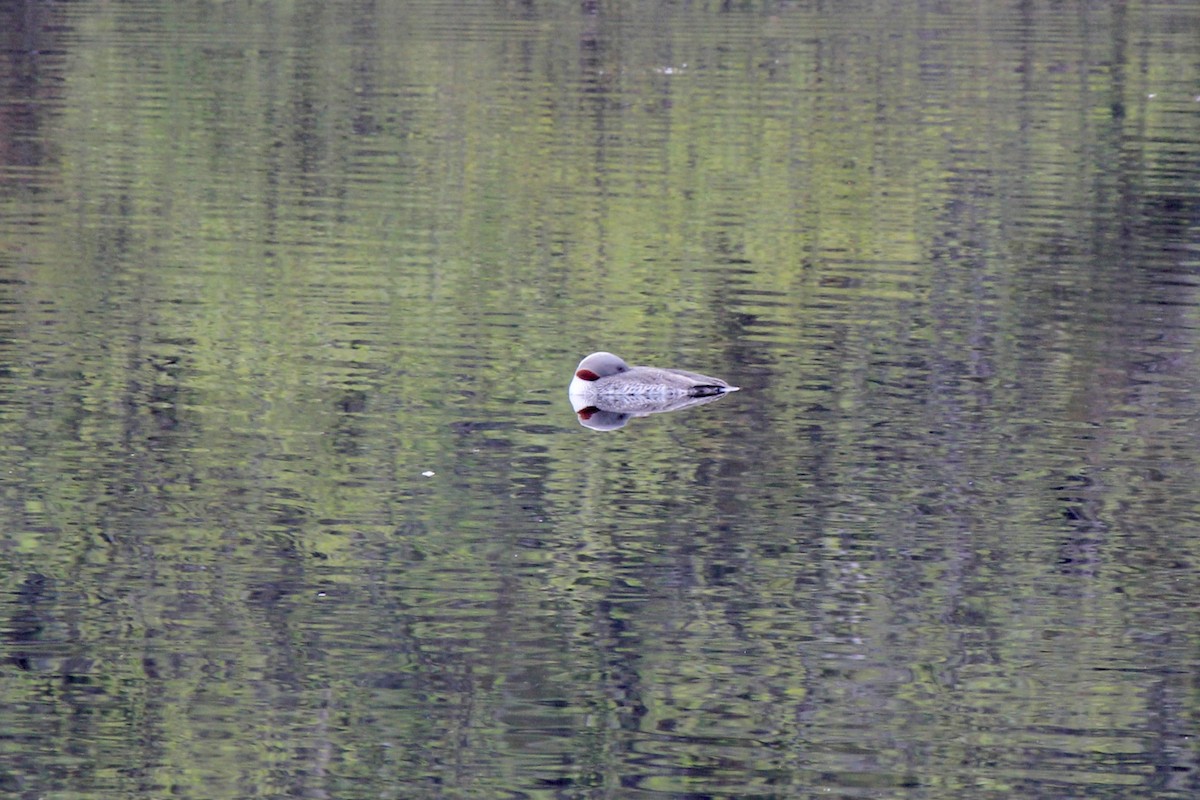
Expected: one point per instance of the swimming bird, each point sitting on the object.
(604, 375)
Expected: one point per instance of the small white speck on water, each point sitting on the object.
(429, 473)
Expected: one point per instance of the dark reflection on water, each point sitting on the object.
(291, 502)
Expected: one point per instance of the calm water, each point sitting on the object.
(294, 502)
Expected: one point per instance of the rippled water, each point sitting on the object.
(295, 504)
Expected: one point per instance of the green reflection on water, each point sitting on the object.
(264, 265)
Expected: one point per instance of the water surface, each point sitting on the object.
(295, 504)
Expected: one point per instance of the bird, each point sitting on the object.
(604, 375)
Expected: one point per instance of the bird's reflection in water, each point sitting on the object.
(612, 412)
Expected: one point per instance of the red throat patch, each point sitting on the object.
(586, 375)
